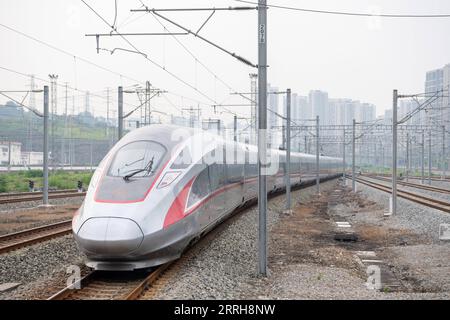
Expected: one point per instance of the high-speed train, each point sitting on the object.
(162, 187)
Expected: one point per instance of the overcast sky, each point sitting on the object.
(350, 57)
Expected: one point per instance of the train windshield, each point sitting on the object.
(131, 173)
(137, 159)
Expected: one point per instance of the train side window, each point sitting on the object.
(183, 160)
(200, 188)
(216, 176)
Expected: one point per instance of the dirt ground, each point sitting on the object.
(28, 218)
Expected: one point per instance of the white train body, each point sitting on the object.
(190, 186)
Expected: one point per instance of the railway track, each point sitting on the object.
(103, 285)
(20, 239)
(33, 196)
(20, 194)
(414, 185)
(426, 201)
(434, 178)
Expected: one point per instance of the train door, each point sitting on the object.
(217, 179)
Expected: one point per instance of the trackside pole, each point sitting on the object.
(262, 128)
(46, 115)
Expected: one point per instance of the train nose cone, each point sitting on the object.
(110, 236)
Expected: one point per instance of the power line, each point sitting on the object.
(147, 58)
(193, 55)
(349, 13)
(68, 53)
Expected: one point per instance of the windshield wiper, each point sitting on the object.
(129, 164)
(147, 168)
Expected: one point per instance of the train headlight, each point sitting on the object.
(168, 178)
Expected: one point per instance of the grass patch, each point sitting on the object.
(18, 181)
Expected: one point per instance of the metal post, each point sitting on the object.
(407, 157)
(394, 153)
(107, 117)
(45, 169)
(429, 157)
(235, 128)
(443, 153)
(306, 144)
(91, 156)
(120, 114)
(344, 164)
(353, 156)
(262, 134)
(9, 154)
(317, 155)
(423, 158)
(288, 150)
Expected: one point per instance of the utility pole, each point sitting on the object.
(429, 157)
(344, 164)
(63, 139)
(394, 153)
(32, 104)
(120, 114)
(317, 155)
(288, 150)
(45, 187)
(423, 158)
(9, 154)
(53, 112)
(235, 128)
(91, 158)
(262, 134)
(407, 157)
(148, 112)
(353, 156)
(107, 117)
(443, 153)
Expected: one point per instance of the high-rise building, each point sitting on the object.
(320, 107)
(365, 112)
(344, 110)
(438, 80)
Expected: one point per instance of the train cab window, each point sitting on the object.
(200, 188)
(183, 160)
(140, 157)
(217, 176)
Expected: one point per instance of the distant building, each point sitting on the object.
(365, 112)
(344, 110)
(10, 150)
(32, 158)
(438, 80)
(320, 107)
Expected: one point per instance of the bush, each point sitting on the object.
(34, 174)
(2, 183)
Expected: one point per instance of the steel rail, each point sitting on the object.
(39, 197)
(413, 185)
(426, 201)
(20, 239)
(19, 194)
(111, 286)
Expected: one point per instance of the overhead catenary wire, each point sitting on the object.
(349, 13)
(148, 59)
(75, 57)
